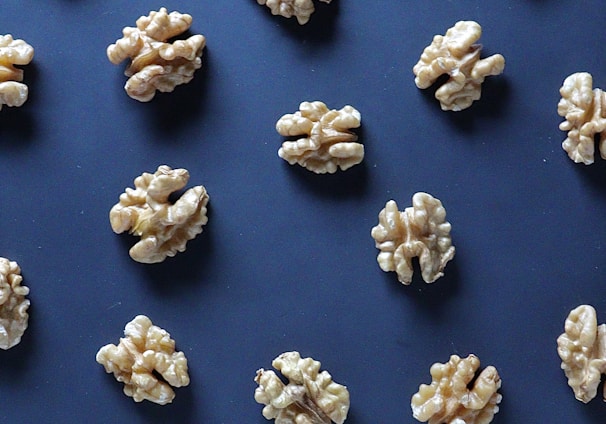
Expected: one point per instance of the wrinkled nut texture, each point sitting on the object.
(155, 63)
(301, 9)
(146, 362)
(584, 111)
(13, 304)
(456, 55)
(164, 227)
(456, 395)
(13, 52)
(329, 145)
(582, 348)
(310, 397)
(419, 231)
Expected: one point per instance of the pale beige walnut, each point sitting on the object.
(164, 227)
(456, 55)
(13, 52)
(301, 9)
(157, 64)
(584, 111)
(457, 395)
(419, 231)
(582, 348)
(13, 304)
(310, 397)
(329, 144)
(146, 362)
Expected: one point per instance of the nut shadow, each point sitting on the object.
(17, 122)
(182, 410)
(16, 360)
(594, 174)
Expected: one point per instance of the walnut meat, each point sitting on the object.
(456, 55)
(164, 227)
(310, 397)
(584, 111)
(582, 348)
(456, 395)
(13, 304)
(13, 52)
(301, 9)
(419, 231)
(146, 362)
(157, 64)
(329, 145)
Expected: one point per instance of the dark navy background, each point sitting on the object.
(286, 261)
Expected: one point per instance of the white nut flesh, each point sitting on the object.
(301, 9)
(13, 92)
(13, 304)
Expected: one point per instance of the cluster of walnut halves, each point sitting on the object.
(419, 231)
(157, 64)
(582, 348)
(13, 304)
(584, 111)
(143, 354)
(456, 55)
(329, 144)
(13, 52)
(301, 9)
(164, 227)
(310, 397)
(457, 395)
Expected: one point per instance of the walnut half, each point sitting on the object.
(310, 397)
(419, 231)
(13, 304)
(456, 395)
(301, 9)
(146, 362)
(582, 348)
(13, 52)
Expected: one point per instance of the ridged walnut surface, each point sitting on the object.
(164, 227)
(145, 352)
(13, 52)
(419, 231)
(329, 144)
(456, 55)
(13, 304)
(582, 348)
(301, 9)
(584, 111)
(157, 64)
(456, 395)
(310, 397)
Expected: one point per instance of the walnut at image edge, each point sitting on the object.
(164, 227)
(584, 111)
(301, 9)
(310, 397)
(582, 348)
(329, 144)
(13, 52)
(157, 64)
(419, 231)
(146, 362)
(456, 55)
(13, 304)
(457, 395)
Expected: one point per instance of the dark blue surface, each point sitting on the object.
(286, 261)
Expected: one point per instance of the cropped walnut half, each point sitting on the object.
(456, 55)
(457, 395)
(156, 63)
(329, 145)
(582, 348)
(419, 231)
(301, 9)
(310, 397)
(146, 362)
(13, 304)
(164, 227)
(13, 52)
(584, 111)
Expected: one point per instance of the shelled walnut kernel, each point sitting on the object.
(146, 362)
(13, 52)
(310, 397)
(13, 304)
(301, 9)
